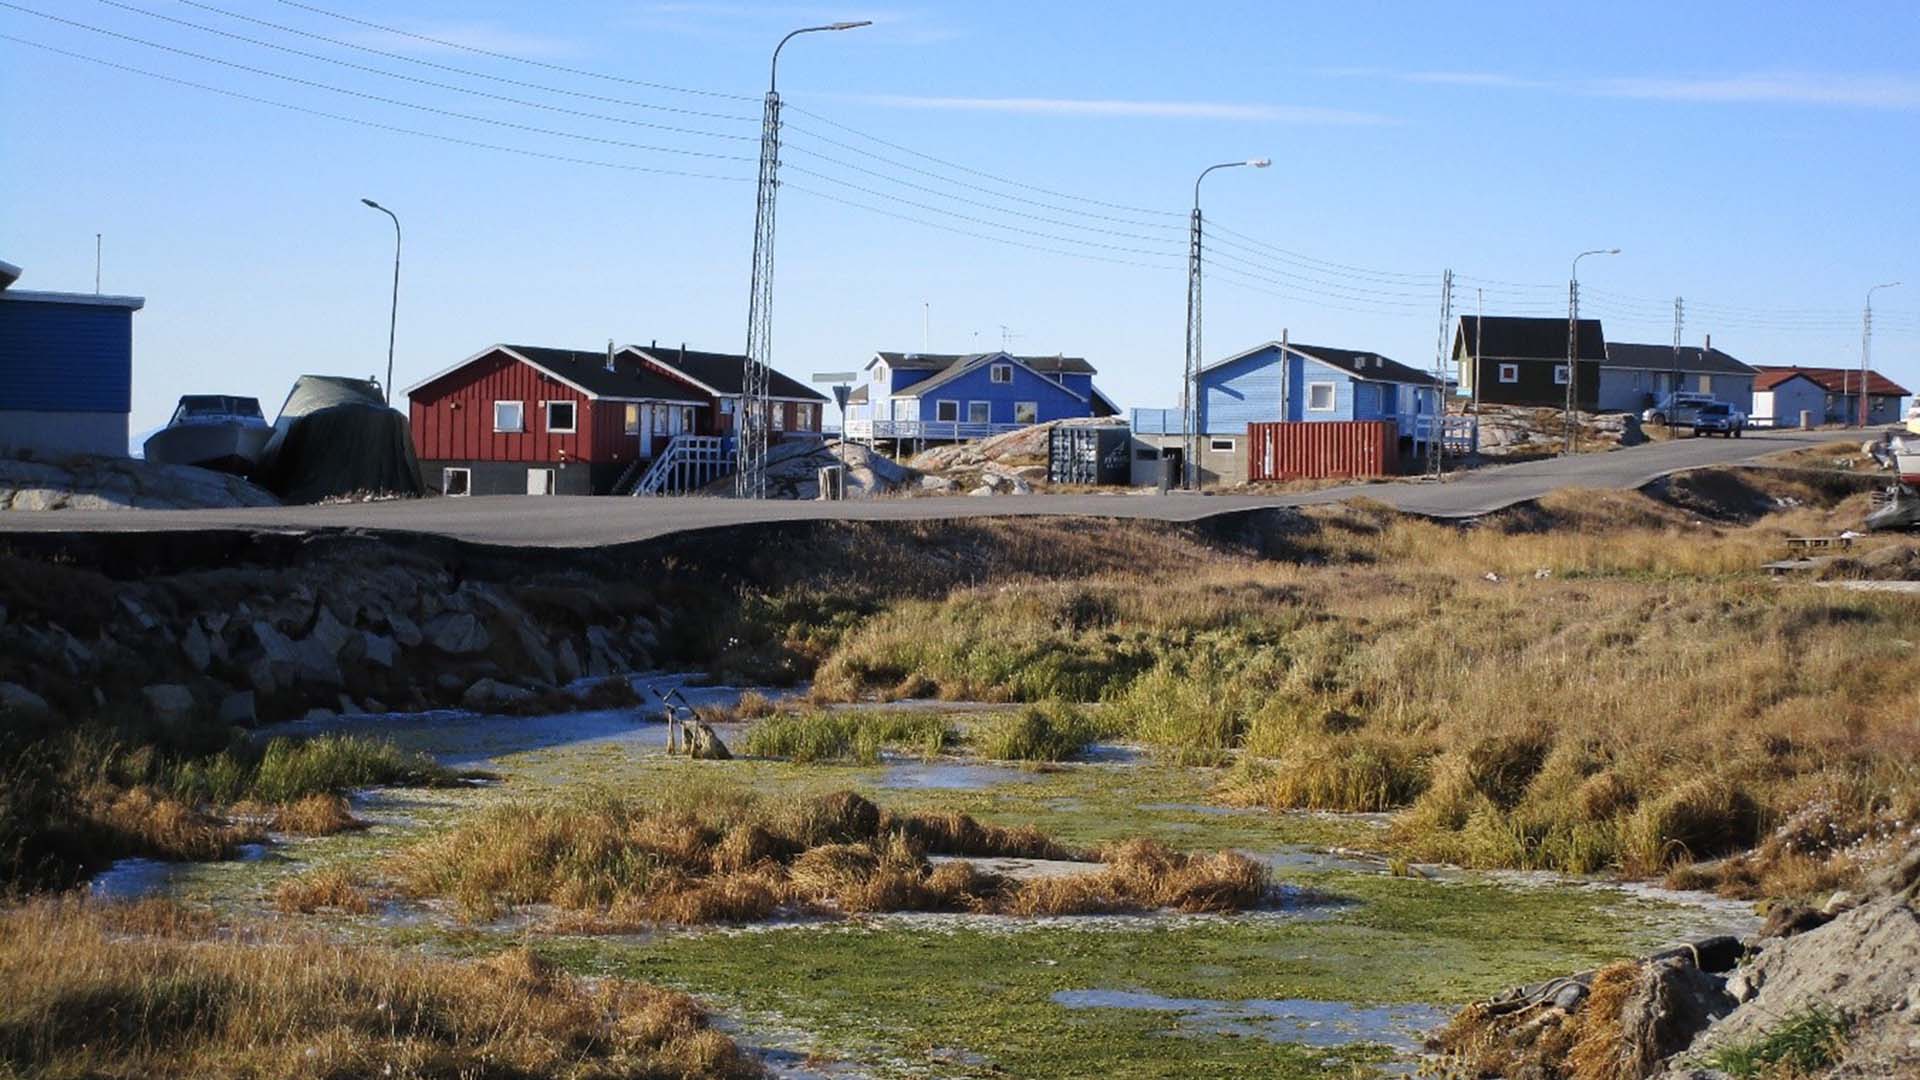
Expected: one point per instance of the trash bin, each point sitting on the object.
(833, 486)
(1169, 474)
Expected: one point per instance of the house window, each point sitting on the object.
(560, 417)
(659, 419)
(1706, 384)
(686, 418)
(1509, 373)
(1149, 454)
(632, 425)
(1224, 446)
(1559, 374)
(509, 416)
(456, 482)
(979, 412)
(1320, 397)
(1026, 412)
(880, 374)
(779, 415)
(726, 406)
(1002, 373)
(803, 417)
(946, 412)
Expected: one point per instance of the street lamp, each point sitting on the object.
(1866, 345)
(393, 314)
(750, 417)
(1573, 343)
(1189, 407)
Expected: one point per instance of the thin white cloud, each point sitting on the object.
(1896, 92)
(1849, 91)
(1199, 110)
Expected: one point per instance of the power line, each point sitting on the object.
(420, 81)
(478, 51)
(312, 84)
(1385, 274)
(362, 122)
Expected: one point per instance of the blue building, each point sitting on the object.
(945, 397)
(66, 370)
(1279, 382)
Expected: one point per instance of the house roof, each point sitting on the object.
(31, 296)
(723, 374)
(1361, 364)
(585, 371)
(1048, 365)
(1661, 358)
(973, 363)
(1833, 380)
(1512, 337)
(859, 395)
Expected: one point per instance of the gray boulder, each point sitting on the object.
(457, 633)
(168, 701)
(378, 649)
(17, 700)
(237, 709)
(490, 693)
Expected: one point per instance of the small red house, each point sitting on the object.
(521, 419)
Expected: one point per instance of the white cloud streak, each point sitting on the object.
(1885, 92)
(1108, 107)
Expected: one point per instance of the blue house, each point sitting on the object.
(1279, 381)
(66, 371)
(945, 397)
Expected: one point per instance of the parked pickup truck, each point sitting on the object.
(1719, 418)
(1677, 409)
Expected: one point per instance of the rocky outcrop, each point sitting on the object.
(1510, 430)
(793, 470)
(98, 483)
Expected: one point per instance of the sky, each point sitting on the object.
(956, 177)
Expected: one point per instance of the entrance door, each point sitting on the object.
(539, 481)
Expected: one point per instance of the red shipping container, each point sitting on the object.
(1314, 450)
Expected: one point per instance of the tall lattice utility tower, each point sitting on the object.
(1437, 433)
(750, 417)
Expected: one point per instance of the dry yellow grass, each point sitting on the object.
(612, 863)
(334, 887)
(89, 996)
(316, 815)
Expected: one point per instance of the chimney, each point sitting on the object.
(1709, 343)
(683, 354)
(609, 354)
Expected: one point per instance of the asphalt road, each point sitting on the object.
(537, 521)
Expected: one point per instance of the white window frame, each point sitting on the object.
(550, 480)
(1333, 397)
(1509, 373)
(686, 418)
(1559, 374)
(984, 406)
(1000, 373)
(779, 417)
(519, 418)
(1033, 412)
(941, 406)
(446, 482)
(1222, 446)
(546, 408)
(630, 422)
(726, 406)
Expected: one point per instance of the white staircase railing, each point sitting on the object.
(689, 463)
(1459, 434)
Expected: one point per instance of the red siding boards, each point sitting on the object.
(1321, 449)
(453, 418)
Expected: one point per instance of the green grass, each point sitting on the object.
(290, 768)
(1803, 1044)
(1051, 731)
(845, 736)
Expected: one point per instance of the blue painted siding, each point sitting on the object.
(1051, 399)
(1248, 391)
(65, 357)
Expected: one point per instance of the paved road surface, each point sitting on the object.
(536, 521)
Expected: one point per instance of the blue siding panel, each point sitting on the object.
(1050, 398)
(65, 357)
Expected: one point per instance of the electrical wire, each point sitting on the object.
(478, 51)
(363, 122)
(312, 84)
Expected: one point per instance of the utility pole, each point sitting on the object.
(750, 416)
(96, 264)
(1189, 405)
(1866, 346)
(1573, 346)
(1479, 331)
(1673, 387)
(1436, 432)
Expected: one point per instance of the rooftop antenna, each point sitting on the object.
(1007, 335)
(926, 326)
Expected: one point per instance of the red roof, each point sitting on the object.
(1834, 380)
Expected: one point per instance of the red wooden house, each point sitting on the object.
(520, 419)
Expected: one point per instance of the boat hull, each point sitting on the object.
(233, 448)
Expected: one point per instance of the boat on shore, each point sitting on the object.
(212, 431)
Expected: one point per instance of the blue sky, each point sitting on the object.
(1758, 159)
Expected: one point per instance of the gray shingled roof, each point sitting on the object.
(725, 372)
(1510, 337)
(1660, 358)
(629, 379)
